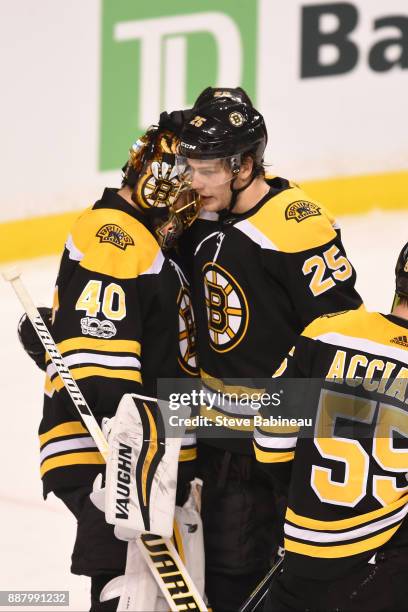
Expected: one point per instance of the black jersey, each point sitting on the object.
(348, 493)
(259, 279)
(122, 319)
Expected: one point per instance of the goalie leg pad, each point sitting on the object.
(141, 471)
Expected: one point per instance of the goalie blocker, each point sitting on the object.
(141, 471)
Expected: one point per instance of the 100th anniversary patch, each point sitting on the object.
(301, 210)
(114, 234)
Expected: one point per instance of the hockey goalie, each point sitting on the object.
(122, 320)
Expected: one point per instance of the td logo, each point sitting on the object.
(160, 55)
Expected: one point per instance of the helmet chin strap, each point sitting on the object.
(235, 192)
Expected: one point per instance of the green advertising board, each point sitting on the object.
(160, 55)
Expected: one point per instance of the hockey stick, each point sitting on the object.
(258, 595)
(159, 553)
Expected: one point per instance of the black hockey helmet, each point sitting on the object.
(224, 128)
(401, 276)
(233, 93)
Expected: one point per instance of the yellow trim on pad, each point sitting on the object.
(39, 236)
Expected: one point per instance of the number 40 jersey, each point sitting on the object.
(122, 321)
(348, 492)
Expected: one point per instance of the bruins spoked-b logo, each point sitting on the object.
(112, 233)
(227, 308)
(158, 188)
(301, 210)
(187, 333)
(237, 119)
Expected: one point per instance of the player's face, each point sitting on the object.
(211, 179)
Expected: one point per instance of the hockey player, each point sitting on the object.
(267, 260)
(118, 303)
(346, 532)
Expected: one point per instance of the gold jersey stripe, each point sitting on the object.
(304, 521)
(273, 457)
(359, 324)
(211, 413)
(69, 428)
(92, 458)
(188, 454)
(178, 541)
(216, 384)
(278, 430)
(107, 346)
(343, 550)
(86, 372)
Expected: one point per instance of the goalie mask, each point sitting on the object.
(401, 276)
(157, 191)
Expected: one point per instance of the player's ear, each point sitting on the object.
(247, 165)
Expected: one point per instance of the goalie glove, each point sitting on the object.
(29, 338)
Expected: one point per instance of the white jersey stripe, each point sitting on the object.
(156, 266)
(324, 537)
(93, 358)
(362, 344)
(74, 253)
(66, 445)
(274, 442)
(255, 235)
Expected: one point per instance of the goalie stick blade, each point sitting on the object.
(257, 596)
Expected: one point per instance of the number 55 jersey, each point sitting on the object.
(348, 492)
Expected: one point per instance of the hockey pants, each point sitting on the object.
(240, 527)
